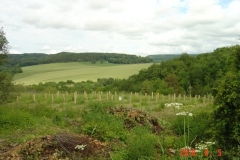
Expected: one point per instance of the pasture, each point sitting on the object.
(76, 72)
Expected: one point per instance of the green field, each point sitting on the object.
(75, 71)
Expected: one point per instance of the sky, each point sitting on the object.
(139, 27)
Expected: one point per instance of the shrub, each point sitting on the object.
(141, 144)
(102, 125)
(13, 118)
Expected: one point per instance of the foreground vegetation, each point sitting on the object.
(134, 127)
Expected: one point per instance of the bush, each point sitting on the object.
(227, 110)
(13, 118)
(5, 86)
(141, 144)
(102, 125)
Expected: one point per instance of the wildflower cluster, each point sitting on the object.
(184, 114)
(176, 105)
(80, 147)
(203, 145)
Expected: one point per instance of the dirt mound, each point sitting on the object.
(133, 117)
(59, 146)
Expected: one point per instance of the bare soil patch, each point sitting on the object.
(59, 146)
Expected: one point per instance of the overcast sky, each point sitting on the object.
(140, 27)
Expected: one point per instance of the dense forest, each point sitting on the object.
(12, 69)
(29, 59)
(164, 57)
(196, 75)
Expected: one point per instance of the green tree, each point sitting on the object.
(5, 78)
(3, 47)
(227, 110)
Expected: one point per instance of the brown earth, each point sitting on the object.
(133, 117)
(59, 146)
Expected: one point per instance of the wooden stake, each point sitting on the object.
(64, 98)
(34, 98)
(140, 102)
(204, 98)
(75, 97)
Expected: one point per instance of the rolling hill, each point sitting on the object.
(75, 71)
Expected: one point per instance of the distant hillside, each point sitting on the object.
(164, 57)
(28, 59)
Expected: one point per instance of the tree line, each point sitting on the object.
(165, 57)
(28, 59)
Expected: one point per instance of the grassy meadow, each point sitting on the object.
(75, 71)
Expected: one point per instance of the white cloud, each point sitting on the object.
(13, 51)
(45, 48)
(129, 26)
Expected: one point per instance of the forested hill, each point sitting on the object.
(196, 75)
(164, 57)
(28, 59)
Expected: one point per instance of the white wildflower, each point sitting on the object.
(184, 114)
(210, 143)
(176, 105)
(190, 114)
(80, 147)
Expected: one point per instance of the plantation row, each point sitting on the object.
(132, 98)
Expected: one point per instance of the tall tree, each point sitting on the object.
(227, 107)
(5, 78)
(3, 47)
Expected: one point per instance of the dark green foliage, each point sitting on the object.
(165, 57)
(5, 78)
(16, 69)
(3, 47)
(196, 74)
(29, 59)
(5, 86)
(227, 110)
(10, 69)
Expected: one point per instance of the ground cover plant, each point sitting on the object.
(118, 125)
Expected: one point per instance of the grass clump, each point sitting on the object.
(98, 123)
(12, 118)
